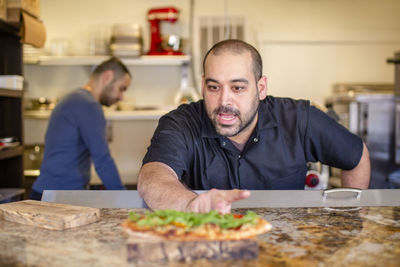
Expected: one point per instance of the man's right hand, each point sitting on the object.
(220, 200)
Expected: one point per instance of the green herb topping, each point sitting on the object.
(191, 219)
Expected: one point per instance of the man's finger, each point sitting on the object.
(222, 206)
(235, 195)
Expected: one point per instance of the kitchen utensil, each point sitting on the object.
(33, 156)
(42, 103)
(126, 31)
(11, 82)
(60, 47)
(172, 43)
(48, 215)
(9, 145)
(126, 40)
(7, 139)
(99, 40)
(9, 142)
(155, 16)
(126, 104)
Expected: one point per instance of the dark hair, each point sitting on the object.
(113, 64)
(237, 47)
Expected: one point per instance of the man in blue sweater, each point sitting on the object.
(76, 134)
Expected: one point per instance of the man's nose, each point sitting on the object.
(120, 96)
(226, 96)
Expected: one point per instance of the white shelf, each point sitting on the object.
(37, 114)
(134, 114)
(109, 114)
(95, 60)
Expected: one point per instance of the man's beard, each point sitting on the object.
(105, 98)
(244, 121)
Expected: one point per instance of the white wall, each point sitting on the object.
(308, 45)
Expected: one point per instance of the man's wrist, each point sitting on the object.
(188, 206)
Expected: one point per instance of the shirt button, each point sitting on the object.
(223, 143)
(255, 139)
(239, 156)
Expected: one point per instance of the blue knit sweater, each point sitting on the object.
(75, 136)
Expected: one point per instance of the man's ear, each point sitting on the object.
(107, 77)
(262, 87)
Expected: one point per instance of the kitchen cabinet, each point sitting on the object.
(11, 113)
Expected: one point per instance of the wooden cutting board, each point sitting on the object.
(142, 250)
(48, 215)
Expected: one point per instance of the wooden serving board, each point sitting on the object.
(53, 216)
(158, 251)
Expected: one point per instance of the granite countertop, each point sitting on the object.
(300, 237)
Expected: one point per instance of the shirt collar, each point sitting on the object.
(265, 120)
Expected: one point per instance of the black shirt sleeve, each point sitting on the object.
(330, 143)
(169, 146)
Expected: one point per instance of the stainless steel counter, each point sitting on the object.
(257, 199)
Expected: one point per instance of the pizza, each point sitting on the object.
(190, 226)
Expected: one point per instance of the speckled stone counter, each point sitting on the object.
(300, 237)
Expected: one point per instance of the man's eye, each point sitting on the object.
(212, 87)
(238, 88)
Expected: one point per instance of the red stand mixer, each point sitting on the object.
(158, 45)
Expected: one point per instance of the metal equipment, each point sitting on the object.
(394, 177)
(368, 110)
(160, 44)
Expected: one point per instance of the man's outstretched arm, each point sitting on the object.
(160, 187)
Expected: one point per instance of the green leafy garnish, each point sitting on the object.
(191, 219)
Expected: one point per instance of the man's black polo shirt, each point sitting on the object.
(289, 133)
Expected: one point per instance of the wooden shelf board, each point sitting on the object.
(11, 152)
(10, 92)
